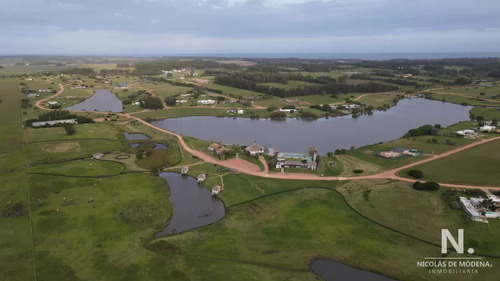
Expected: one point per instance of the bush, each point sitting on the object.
(17, 210)
(358, 171)
(454, 205)
(426, 186)
(416, 174)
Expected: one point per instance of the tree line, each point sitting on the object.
(241, 82)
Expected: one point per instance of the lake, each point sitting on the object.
(336, 271)
(101, 100)
(193, 205)
(297, 135)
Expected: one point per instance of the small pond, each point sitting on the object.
(193, 205)
(101, 100)
(336, 271)
(130, 136)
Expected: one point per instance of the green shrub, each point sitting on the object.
(416, 174)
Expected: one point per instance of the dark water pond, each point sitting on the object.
(129, 136)
(336, 271)
(297, 135)
(193, 205)
(101, 100)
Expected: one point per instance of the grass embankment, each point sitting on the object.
(475, 166)
(16, 257)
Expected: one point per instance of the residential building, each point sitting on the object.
(207, 102)
(202, 178)
(255, 149)
(235, 111)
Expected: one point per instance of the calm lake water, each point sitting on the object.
(297, 135)
(193, 205)
(336, 271)
(101, 100)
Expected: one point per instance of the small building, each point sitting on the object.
(184, 170)
(202, 178)
(313, 153)
(45, 90)
(97, 156)
(235, 111)
(487, 128)
(216, 190)
(287, 110)
(351, 106)
(217, 148)
(52, 103)
(181, 101)
(32, 96)
(465, 132)
(207, 102)
(255, 149)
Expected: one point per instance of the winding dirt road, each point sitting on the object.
(246, 167)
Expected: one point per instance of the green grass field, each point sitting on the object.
(80, 168)
(487, 113)
(422, 214)
(475, 166)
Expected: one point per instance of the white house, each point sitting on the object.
(287, 110)
(52, 103)
(31, 96)
(235, 111)
(181, 101)
(487, 128)
(465, 132)
(206, 101)
(255, 149)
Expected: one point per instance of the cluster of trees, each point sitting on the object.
(151, 102)
(25, 103)
(171, 101)
(79, 71)
(241, 82)
(427, 186)
(112, 72)
(425, 130)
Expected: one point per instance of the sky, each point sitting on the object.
(247, 26)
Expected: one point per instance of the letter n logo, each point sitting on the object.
(446, 236)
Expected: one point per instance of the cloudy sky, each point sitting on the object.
(247, 26)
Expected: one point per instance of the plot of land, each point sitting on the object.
(475, 166)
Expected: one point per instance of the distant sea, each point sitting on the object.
(340, 56)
